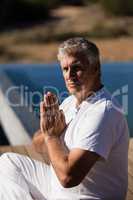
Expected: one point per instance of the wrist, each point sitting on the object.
(48, 138)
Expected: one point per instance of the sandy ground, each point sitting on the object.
(111, 50)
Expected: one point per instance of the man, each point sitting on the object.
(85, 139)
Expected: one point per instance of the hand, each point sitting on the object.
(52, 120)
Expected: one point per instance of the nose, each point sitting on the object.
(70, 74)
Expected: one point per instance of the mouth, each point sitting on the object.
(73, 84)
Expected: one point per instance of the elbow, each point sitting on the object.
(69, 182)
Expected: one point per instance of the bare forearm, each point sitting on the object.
(39, 145)
(70, 167)
(58, 156)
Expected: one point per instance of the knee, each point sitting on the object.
(7, 160)
(7, 164)
(5, 156)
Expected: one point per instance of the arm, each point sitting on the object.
(70, 166)
(39, 145)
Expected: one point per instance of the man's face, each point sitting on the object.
(77, 75)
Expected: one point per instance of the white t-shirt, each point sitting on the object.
(98, 125)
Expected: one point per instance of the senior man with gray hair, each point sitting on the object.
(86, 139)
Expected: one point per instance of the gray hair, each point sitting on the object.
(78, 46)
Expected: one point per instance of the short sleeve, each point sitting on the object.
(96, 134)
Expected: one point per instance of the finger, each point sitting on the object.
(49, 103)
(41, 125)
(50, 112)
(62, 117)
(47, 107)
(49, 120)
(44, 123)
(42, 109)
(46, 101)
(53, 107)
(51, 99)
(54, 102)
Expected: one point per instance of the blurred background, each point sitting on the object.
(31, 30)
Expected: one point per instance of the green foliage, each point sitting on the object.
(118, 7)
(48, 3)
(79, 2)
(91, 1)
(22, 11)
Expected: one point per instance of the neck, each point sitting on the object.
(81, 96)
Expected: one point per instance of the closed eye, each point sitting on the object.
(65, 69)
(76, 68)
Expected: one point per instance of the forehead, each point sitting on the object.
(67, 60)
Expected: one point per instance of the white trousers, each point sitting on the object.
(22, 178)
